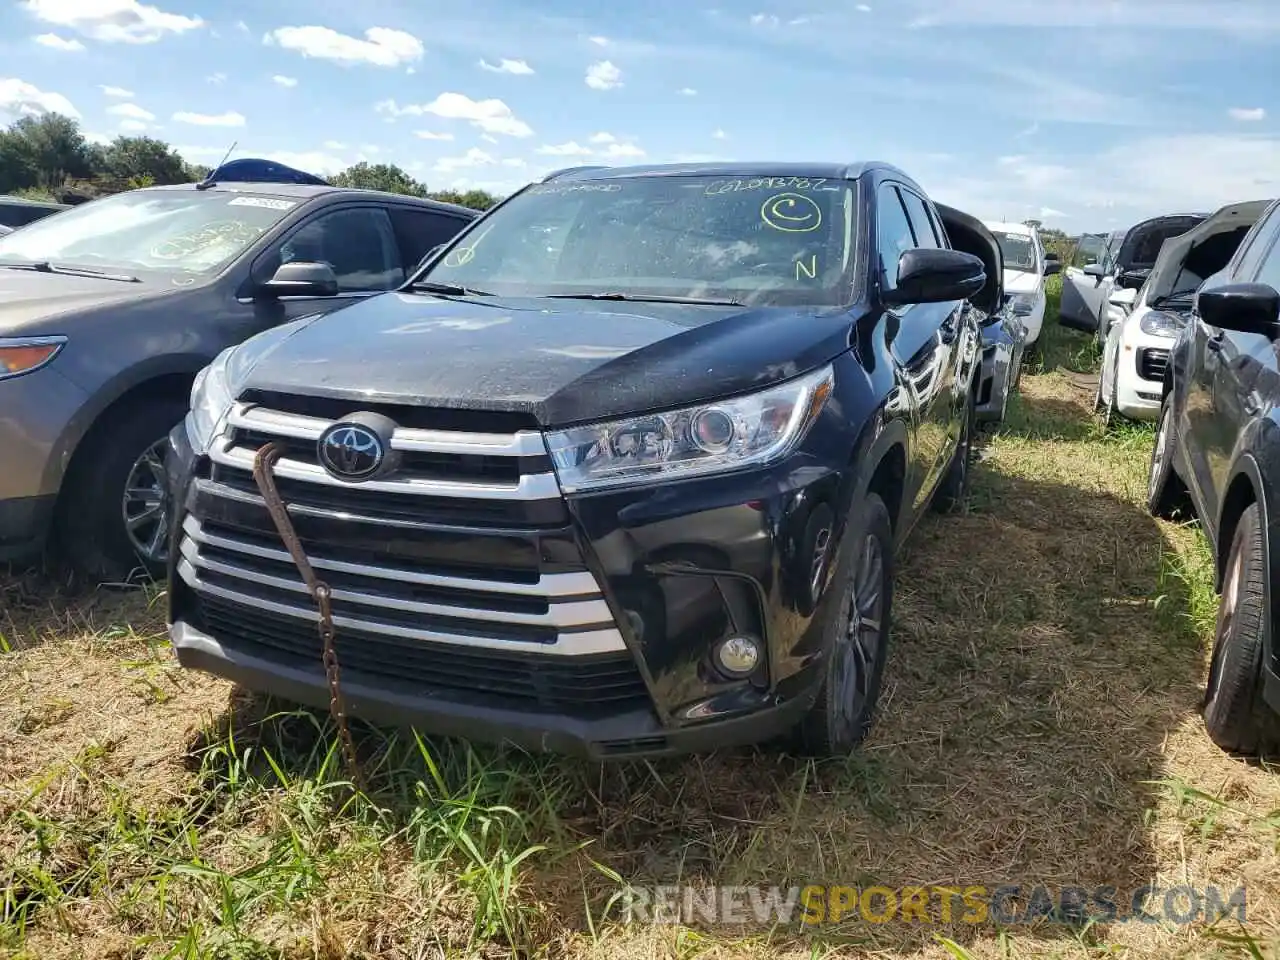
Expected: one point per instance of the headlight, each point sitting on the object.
(211, 400)
(1023, 304)
(710, 438)
(1160, 324)
(19, 355)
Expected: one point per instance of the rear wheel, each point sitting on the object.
(857, 636)
(114, 521)
(1235, 715)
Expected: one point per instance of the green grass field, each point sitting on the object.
(1039, 724)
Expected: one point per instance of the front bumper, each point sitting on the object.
(37, 413)
(583, 626)
(1142, 360)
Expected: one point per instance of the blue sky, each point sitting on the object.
(1086, 113)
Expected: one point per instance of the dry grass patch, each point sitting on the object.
(1039, 726)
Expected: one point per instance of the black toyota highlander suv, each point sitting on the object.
(621, 471)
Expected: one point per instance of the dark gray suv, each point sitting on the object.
(109, 309)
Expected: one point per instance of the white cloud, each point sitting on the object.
(130, 110)
(514, 162)
(132, 126)
(517, 67)
(570, 149)
(120, 92)
(688, 92)
(719, 135)
(1243, 15)
(1196, 172)
(382, 46)
(112, 21)
(242, 26)
(599, 41)
(490, 116)
(603, 75)
(475, 157)
(21, 99)
(1247, 114)
(488, 138)
(608, 147)
(764, 20)
(862, 8)
(334, 145)
(101, 139)
(284, 81)
(55, 42)
(217, 79)
(432, 135)
(228, 119)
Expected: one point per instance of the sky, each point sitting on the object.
(1086, 114)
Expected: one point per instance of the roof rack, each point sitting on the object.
(554, 174)
(250, 170)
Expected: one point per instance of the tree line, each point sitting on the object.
(48, 157)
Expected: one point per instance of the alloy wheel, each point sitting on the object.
(857, 648)
(145, 505)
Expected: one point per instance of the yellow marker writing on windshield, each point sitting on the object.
(791, 213)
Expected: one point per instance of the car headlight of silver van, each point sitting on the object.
(211, 401)
(744, 431)
(1157, 323)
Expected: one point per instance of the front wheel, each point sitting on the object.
(115, 508)
(1235, 715)
(857, 636)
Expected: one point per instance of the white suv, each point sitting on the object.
(1024, 271)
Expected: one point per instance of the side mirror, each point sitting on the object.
(302, 278)
(1242, 307)
(1051, 267)
(1123, 298)
(1094, 270)
(936, 276)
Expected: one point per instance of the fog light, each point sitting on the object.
(738, 656)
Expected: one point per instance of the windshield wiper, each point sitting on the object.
(44, 266)
(702, 301)
(448, 289)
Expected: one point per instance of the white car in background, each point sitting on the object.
(1148, 320)
(1025, 268)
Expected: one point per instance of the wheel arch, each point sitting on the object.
(161, 377)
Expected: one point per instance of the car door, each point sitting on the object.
(357, 240)
(1081, 297)
(1244, 382)
(922, 346)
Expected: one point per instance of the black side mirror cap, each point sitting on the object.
(936, 276)
(1242, 307)
(1051, 267)
(302, 278)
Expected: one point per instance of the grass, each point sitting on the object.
(1039, 725)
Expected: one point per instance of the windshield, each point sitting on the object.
(760, 241)
(1018, 251)
(170, 231)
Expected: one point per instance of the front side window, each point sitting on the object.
(1018, 251)
(782, 241)
(921, 222)
(893, 231)
(358, 243)
(187, 231)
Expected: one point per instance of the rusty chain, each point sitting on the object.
(263, 474)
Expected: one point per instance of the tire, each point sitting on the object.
(1166, 494)
(953, 490)
(856, 636)
(92, 527)
(1235, 715)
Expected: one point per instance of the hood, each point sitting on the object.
(1142, 242)
(1185, 261)
(1021, 281)
(28, 298)
(561, 361)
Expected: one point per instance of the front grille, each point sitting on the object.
(457, 571)
(581, 685)
(1152, 362)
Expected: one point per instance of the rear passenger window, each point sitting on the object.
(921, 223)
(420, 230)
(893, 234)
